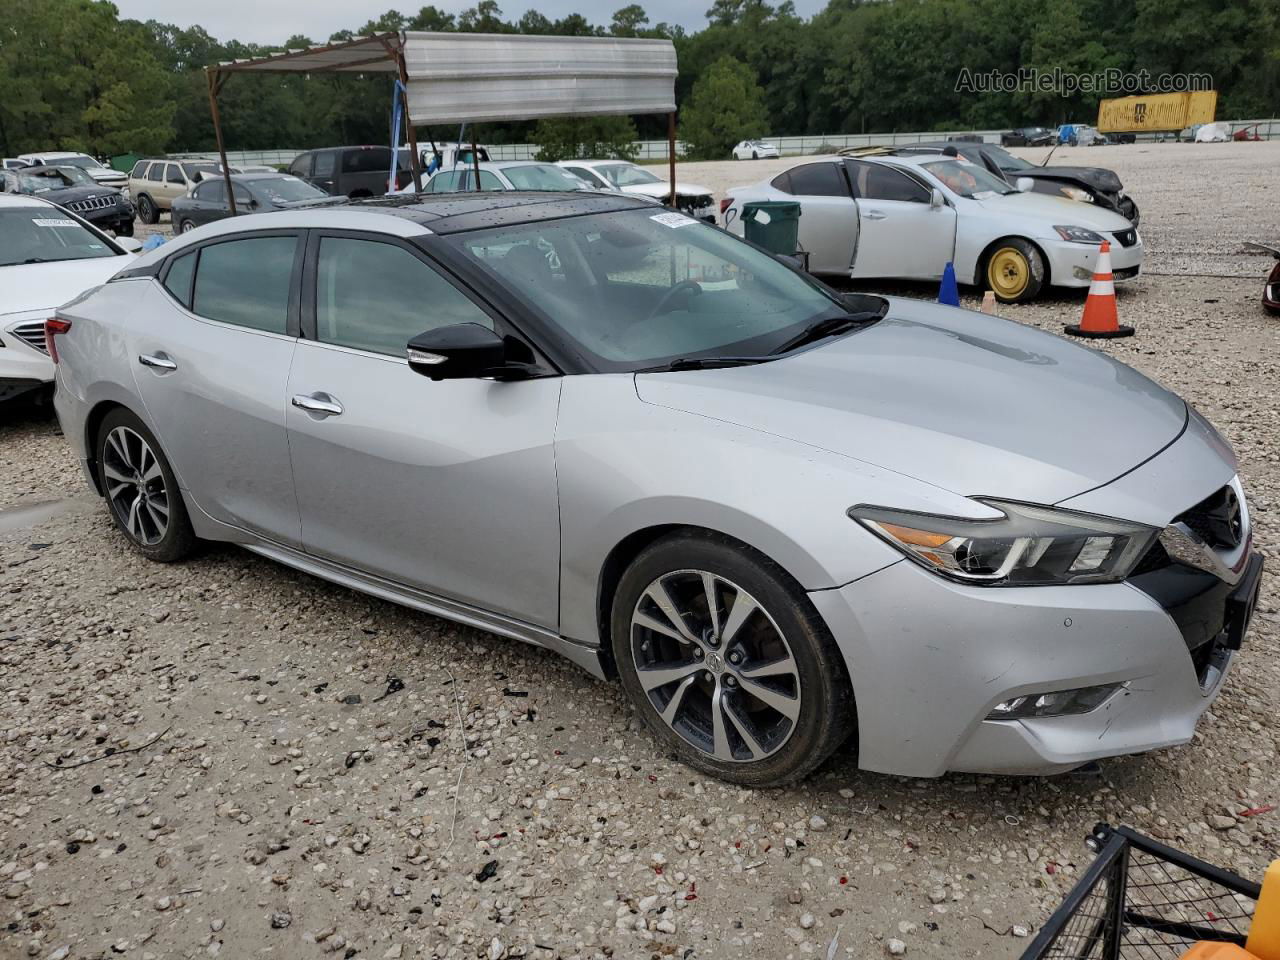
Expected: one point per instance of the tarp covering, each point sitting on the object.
(477, 77)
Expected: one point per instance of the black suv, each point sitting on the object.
(1028, 137)
(73, 189)
(351, 171)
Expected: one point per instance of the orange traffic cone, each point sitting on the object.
(1100, 318)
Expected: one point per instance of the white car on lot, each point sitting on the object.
(906, 217)
(502, 175)
(47, 257)
(65, 158)
(755, 150)
(622, 176)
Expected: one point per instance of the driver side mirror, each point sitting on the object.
(936, 199)
(459, 351)
(1024, 184)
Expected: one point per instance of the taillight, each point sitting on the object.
(725, 203)
(52, 327)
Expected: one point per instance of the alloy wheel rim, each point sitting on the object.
(715, 666)
(1009, 272)
(188, 226)
(135, 485)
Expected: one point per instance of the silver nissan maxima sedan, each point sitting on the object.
(781, 517)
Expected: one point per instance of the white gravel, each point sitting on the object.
(254, 780)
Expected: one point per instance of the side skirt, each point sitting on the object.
(587, 657)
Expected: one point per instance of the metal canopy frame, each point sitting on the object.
(562, 74)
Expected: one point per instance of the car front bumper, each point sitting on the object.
(1073, 264)
(929, 659)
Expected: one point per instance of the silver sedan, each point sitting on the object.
(783, 518)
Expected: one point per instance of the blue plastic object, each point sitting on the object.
(152, 242)
(948, 293)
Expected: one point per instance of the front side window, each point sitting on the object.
(378, 296)
(246, 282)
(445, 182)
(873, 181)
(138, 170)
(636, 289)
(325, 163)
(372, 160)
(174, 176)
(286, 189)
(45, 234)
(301, 166)
(211, 191)
(628, 175)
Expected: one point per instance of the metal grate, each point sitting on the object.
(32, 334)
(1141, 900)
(93, 203)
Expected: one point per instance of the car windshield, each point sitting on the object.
(51, 178)
(636, 290)
(543, 176)
(44, 235)
(967, 179)
(79, 160)
(286, 189)
(627, 175)
(1006, 160)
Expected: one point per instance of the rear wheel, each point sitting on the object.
(147, 211)
(728, 662)
(1015, 270)
(140, 489)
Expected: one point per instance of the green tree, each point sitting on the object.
(629, 21)
(725, 106)
(571, 138)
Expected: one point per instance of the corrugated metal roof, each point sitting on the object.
(359, 55)
(478, 77)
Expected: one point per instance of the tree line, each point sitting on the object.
(74, 75)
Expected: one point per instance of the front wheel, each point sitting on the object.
(728, 662)
(1015, 270)
(148, 212)
(140, 489)
(186, 226)
(755, 155)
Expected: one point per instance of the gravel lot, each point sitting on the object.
(228, 758)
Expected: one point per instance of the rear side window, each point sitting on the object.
(178, 279)
(367, 161)
(445, 182)
(376, 296)
(782, 182)
(818, 180)
(246, 282)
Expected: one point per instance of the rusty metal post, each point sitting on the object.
(414, 159)
(216, 78)
(671, 156)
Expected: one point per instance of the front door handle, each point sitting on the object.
(157, 361)
(875, 215)
(320, 404)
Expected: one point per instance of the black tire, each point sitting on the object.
(826, 714)
(1026, 272)
(755, 155)
(178, 539)
(124, 228)
(148, 212)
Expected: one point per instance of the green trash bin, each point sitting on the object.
(773, 224)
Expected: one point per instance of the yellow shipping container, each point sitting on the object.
(1158, 112)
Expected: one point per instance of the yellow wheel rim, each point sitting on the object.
(1008, 273)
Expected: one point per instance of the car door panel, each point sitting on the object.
(909, 239)
(829, 231)
(228, 445)
(449, 486)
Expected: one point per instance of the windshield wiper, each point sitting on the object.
(706, 363)
(830, 327)
(36, 260)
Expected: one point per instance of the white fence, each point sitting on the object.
(1267, 129)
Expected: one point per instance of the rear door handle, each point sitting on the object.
(875, 215)
(320, 404)
(157, 361)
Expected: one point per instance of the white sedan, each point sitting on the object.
(502, 175)
(622, 176)
(47, 257)
(755, 150)
(906, 217)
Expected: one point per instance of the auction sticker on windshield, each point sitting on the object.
(673, 220)
(49, 222)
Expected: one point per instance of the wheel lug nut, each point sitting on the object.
(735, 657)
(710, 677)
(730, 682)
(697, 653)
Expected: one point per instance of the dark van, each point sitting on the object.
(351, 171)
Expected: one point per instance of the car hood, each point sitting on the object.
(658, 190)
(66, 195)
(1098, 178)
(967, 402)
(1056, 211)
(43, 286)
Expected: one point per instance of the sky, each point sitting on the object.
(272, 21)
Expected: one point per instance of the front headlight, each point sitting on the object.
(1075, 193)
(1029, 546)
(1078, 235)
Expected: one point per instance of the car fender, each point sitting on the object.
(626, 466)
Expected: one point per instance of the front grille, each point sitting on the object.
(32, 334)
(94, 203)
(1217, 520)
(1126, 238)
